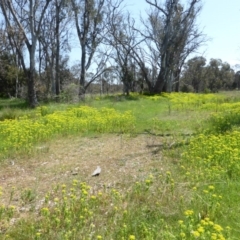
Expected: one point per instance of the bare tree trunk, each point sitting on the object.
(32, 97)
(82, 89)
(162, 78)
(90, 17)
(57, 80)
(177, 79)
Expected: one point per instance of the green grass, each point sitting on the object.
(157, 115)
(13, 103)
(187, 188)
(12, 108)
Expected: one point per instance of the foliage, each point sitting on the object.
(191, 101)
(217, 156)
(226, 119)
(145, 59)
(193, 74)
(10, 76)
(23, 133)
(70, 211)
(207, 78)
(69, 93)
(197, 198)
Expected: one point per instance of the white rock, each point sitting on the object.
(96, 172)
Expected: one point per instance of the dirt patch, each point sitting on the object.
(122, 158)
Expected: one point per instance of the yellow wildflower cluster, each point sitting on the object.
(192, 101)
(21, 134)
(203, 229)
(225, 119)
(188, 213)
(216, 155)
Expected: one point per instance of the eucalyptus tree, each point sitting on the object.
(123, 40)
(171, 27)
(194, 74)
(227, 76)
(90, 17)
(4, 43)
(236, 83)
(54, 42)
(161, 46)
(219, 75)
(130, 54)
(213, 74)
(24, 18)
(11, 75)
(212, 77)
(11, 43)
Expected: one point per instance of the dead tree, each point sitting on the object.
(174, 32)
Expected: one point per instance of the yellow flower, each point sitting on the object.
(221, 237)
(75, 182)
(150, 176)
(12, 207)
(210, 223)
(131, 237)
(180, 222)
(85, 192)
(182, 234)
(200, 229)
(45, 211)
(211, 187)
(217, 227)
(196, 234)
(188, 213)
(214, 236)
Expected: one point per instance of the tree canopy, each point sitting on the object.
(36, 38)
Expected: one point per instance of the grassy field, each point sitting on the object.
(170, 168)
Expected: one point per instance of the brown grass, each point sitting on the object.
(123, 159)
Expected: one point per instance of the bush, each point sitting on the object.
(223, 122)
(69, 93)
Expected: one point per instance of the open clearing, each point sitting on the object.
(122, 158)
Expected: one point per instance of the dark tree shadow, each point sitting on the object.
(13, 103)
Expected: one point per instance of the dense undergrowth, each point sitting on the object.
(197, 199)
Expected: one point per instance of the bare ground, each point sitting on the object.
(122, 158)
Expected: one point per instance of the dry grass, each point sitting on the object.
(124, 159)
